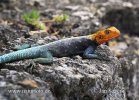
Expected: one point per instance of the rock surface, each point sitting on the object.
(67, 79)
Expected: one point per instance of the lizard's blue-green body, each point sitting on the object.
(84, 45)
(65, 47)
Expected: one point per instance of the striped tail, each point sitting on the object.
(29, 53)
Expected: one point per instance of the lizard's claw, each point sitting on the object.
(31, 66)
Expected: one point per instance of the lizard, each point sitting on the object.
(84, 45)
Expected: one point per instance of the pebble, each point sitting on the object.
(136, 52)
(40, 41)
(2, 84)
(118, 47)
(127, 4)
(4, 70)
(73, 8)
(13, 72)
(51, 38)
(84, 15)
(64, 65)
(134, 61)
(20, 40)
(77, 57)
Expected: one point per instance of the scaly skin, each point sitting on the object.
(84, 45)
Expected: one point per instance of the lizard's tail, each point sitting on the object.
(29, 53)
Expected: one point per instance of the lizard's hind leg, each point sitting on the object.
(46, 58)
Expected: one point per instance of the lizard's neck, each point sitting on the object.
(92, 36)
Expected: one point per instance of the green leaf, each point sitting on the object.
(60, 18)
(29, 18)
(32, 18)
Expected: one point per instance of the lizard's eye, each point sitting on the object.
(107, 32)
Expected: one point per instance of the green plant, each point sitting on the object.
(33, 18)
(60, 18)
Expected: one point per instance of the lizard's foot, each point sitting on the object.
(97, 56)
(89, 54)
(21, 47)
(31, 66)
(44, 61)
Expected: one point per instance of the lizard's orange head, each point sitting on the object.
(105, 35)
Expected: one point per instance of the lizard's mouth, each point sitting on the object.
(112, 37)
(107, 39)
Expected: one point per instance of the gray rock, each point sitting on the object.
(130, 69)
(69, 79)
(10, 89)
(92, 79)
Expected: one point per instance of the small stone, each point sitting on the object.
(77, 57)
(84, 15)
(72, 7)
(134, 61)
(20, 40)
(122, 45)
(40, 42)
(51, 38)
(97, 23)
(137, 52)
(49, 71)
(64, 65)
(2, 84)
(127, 4)
(4, 70)
(12, 72)
(118, 47)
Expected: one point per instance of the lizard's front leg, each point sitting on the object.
(90, 54)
